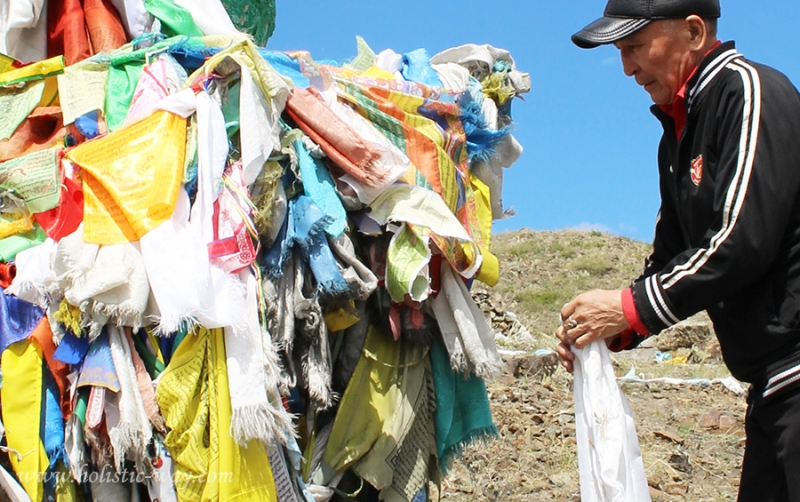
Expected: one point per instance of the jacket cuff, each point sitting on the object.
(652, 304)
(629, 309)
(623, 341)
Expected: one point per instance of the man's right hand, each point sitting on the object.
(564, 349)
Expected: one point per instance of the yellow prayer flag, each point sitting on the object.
(34, 71)
(21, 394)
(489, 273)
(131, 178)
(195, 400)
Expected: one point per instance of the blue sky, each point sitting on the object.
(590, 141)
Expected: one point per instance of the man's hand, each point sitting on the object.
(564, 351)
(595, 315)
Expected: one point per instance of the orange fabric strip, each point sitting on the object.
(66, 31)
(106, 32)
(7, 273)
(336, 138)
(60, 371)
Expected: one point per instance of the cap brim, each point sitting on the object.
(607, 30)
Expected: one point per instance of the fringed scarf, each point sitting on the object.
(305, 232)
(467, 335)
(253, 121)
(145, 385)
(34, 278)
(312, 343)
(225, 306)
(319, 186)
(53, 433)
(187, 287)
(74, 444)
(358, 276)
(108, 283)
(462, 408)
(177, 264)
(253, 373)
(132, 434)
(279, 293)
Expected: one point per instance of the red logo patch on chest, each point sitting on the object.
(697, 170)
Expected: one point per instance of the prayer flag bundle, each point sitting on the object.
(230, 273)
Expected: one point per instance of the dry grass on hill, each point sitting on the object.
(691, 437)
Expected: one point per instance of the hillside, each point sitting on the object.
(540, 271)
(691, 436)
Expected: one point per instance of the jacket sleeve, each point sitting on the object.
(756, 171)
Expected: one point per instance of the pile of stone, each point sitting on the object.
(510, 332)
(506, 325)
(697, 331)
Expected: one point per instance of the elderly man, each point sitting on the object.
(727, 237)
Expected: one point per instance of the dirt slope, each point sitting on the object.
(691, 437)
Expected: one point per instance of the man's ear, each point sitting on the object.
(696, 33)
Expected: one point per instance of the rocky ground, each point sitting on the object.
(691, 436)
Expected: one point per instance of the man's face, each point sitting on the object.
(658, 57)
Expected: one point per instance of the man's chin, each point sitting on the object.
(659, 97)
(660, 100)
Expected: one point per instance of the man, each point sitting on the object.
(727, 237)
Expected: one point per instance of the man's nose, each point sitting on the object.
(628, 65)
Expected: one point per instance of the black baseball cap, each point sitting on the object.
(624, 17)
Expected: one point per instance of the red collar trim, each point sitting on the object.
(677, 110)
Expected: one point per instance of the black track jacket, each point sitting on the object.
(728, 234)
